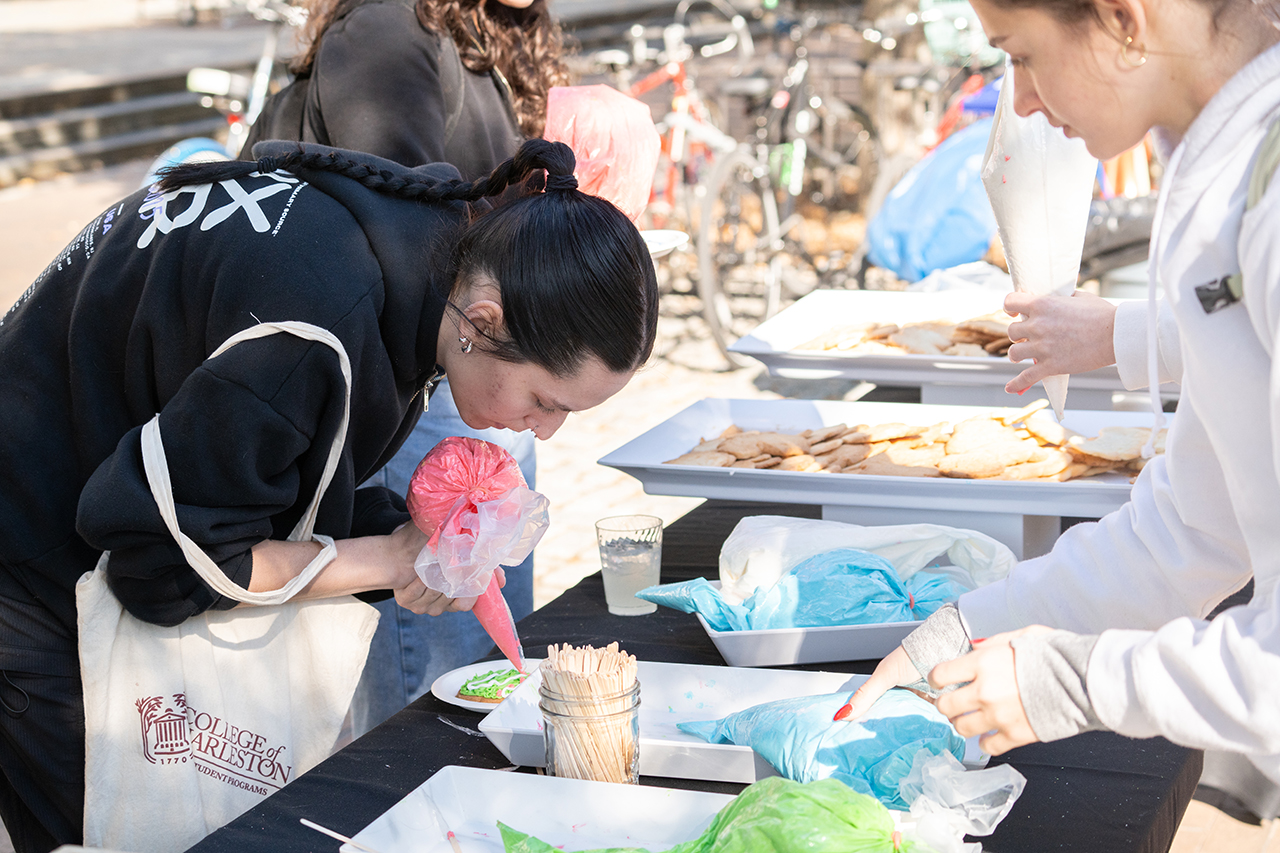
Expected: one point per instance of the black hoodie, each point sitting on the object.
(119, 327)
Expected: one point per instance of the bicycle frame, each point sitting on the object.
(238, 96)
(688, 130)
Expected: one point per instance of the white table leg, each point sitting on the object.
(994, 395)
(1026, 535)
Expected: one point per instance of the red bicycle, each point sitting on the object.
(690, 135)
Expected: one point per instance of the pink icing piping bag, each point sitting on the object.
(494, 614)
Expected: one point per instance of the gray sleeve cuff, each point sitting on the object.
(1051, 669)
(940, 638)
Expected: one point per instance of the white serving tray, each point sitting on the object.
(567, 813)
(775, 342)
(644, 457)
(995, 507)
(672, 693)
(788, 646)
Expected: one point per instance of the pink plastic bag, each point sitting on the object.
(469, 496)
(614, 139)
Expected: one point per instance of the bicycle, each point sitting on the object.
(812, 151)
(691, 136)
(238, 96)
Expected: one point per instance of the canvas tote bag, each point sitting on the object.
(189, 726)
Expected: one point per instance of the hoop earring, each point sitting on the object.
(1124, 53)
(466, 343)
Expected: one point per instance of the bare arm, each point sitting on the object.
(363, 564)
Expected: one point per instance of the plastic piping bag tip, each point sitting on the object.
(845, 710)
(495, 616)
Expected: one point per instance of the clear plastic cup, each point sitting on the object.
(592, 737)
(630, 560)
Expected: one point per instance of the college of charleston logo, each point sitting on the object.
(175, 733)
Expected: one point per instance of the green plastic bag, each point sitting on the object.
(776, 815)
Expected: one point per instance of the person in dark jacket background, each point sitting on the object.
(423, 81)
(546, 304)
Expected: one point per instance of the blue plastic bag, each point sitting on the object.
(846, 586)
(938, 215)
(698, 596)
(871, 755)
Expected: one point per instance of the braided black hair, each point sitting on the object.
(533, 156)
(574, 275)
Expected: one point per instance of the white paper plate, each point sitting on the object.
(661, 243)
(566, 813)
(672, 693)
(445, 688)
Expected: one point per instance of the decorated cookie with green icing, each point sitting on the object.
(492, 686)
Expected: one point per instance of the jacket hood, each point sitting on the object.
(412, 239)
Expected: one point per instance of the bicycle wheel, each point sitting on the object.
(745, 258)
(197, 149)
(823, 209)
(844, 157)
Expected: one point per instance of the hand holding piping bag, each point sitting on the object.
(471, 499)
(983, 697)
(1059, 335)
(1040, 184)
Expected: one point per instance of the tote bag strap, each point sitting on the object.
(157, 470)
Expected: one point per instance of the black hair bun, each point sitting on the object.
(561, 182)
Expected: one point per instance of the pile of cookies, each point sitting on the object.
(977, 336)
(1006, 444)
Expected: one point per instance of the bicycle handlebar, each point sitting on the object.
(277, 12)
(739, 37)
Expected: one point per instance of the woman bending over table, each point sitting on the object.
(542, 307)
(1109, 630)
(462, 82)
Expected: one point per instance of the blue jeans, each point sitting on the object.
(410, 651)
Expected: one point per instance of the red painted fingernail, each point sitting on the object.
(978, 640)
(1023, 391)
(845, 710)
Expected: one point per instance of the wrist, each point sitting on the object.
(1051, 672)
(368, 563)
(1109, 339)
(942, 637)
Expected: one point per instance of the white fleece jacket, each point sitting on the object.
(1130, 342)
(1206, 515)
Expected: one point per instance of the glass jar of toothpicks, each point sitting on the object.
(590, 701)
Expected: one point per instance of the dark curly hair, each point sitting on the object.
(524, 45)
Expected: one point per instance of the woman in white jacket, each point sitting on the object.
(1129, 648)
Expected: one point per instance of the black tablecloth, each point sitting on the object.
(1094, 793)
